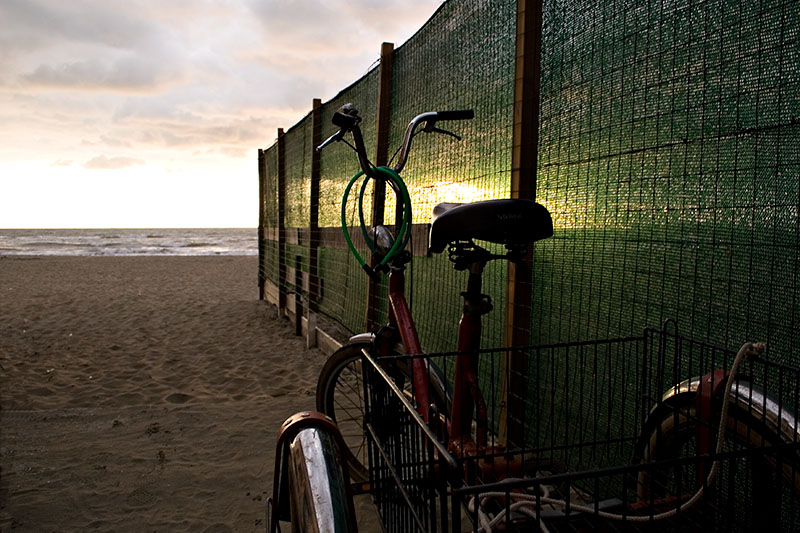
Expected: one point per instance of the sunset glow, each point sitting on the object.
(150, 114)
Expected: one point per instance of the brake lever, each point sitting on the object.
(430, 128)
(336, 137)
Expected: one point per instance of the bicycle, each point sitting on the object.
(513, 223)
(456, 415)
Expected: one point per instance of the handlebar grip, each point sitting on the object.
(346, 117)
(463, 114)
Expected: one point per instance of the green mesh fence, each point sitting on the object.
(344, 294)
(298, 175)
(669, 151)
(463, 58)
(268, 261)
(669, 158)
(297, 211)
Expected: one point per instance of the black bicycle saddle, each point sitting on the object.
(513, 221)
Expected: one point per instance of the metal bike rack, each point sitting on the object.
(311, 487)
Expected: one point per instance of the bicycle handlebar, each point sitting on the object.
(430, 119)
(347, 118)
(464, 114)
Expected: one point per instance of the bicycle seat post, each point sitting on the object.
(466, 393)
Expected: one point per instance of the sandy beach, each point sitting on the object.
(142, 393)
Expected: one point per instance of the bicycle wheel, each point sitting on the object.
(340, 395)
(767, 478)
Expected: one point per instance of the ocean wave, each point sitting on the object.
(179, 242)
(53, 244)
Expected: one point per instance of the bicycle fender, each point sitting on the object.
(366, 338)
(750, 398)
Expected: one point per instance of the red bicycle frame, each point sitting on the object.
(400, 317)
(467, 396)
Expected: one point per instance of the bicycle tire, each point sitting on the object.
(340, 395)
(670, 433)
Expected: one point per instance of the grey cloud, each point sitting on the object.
(125, 75)
(102, 162)
(160, 80)
(116, 141)
(29, 24)
(337, 25)
(87, 45)
(234, 133)
(306, 54)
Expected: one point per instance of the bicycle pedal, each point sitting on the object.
(363, 487)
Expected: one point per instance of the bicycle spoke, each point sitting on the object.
(358, 387)
(351, 398)
(337, 400)
(340, 395)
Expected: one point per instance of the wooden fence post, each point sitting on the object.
(298, 295)
(313, 224)
(282, 271)
(381, 158)
(262, 171)
(524, 158)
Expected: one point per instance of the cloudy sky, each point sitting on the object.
(149, 113)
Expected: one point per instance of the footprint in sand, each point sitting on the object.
(178, 397)
(141, 497)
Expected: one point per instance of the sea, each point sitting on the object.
(110, 242)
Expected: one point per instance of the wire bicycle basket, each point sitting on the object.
(622, 427)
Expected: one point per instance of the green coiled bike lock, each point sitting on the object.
(404, 234)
